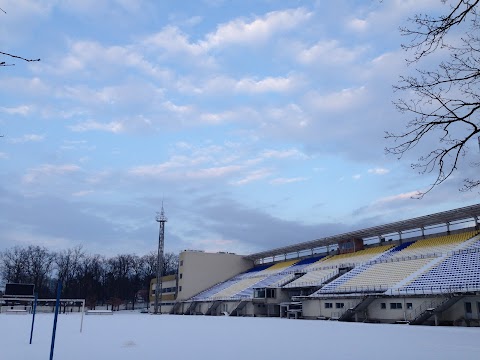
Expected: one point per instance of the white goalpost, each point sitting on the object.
(24, 305)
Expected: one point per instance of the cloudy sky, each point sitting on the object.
(259, 123)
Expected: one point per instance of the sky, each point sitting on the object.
(257, 123)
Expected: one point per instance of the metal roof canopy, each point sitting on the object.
(468, 212)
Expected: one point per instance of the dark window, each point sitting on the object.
(259, 293)
(181, 276)
(181, 262)
(468, 307)
(395, 305)
(409, 306)
(270, 293)
(328, 305)
(339, 305)
(383, 305)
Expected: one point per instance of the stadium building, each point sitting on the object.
(424, 270)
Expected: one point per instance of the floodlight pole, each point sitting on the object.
(161, 219)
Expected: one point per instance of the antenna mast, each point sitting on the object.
(161, 219)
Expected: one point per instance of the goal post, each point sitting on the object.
(24, 305)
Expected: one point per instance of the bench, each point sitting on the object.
(16, 311)
(99, 312)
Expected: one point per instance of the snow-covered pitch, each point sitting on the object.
(126, 336)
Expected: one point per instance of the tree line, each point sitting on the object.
(123, 278)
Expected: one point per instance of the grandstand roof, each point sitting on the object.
(450, 216)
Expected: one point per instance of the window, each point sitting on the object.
(383, 305)
(270, 293)
(339, 305)
(181, 262)
(468, 307)
(181, 275)
(395, 305)
(180, 288)
(259, 293)
(409, 306)
(328, 305)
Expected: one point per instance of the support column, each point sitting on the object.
(423, 232)
(448, 228)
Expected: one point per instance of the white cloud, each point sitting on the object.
(253, 176)
(33, 175)
(181, 166)
(82, 193)
(356, 176)
(4, 156)
(268, 84)
(378, 171)
(328, 52)
(25, 85)
(357, 25)
(27, 138)
(172, 40)
(398, 197)
(213, 172)
(216, 118)
(238, 31)
(247, 85)
(18, 110)
(113, 126)
(338, 101)
(283, 154)
(281, 181)
(257, 31)
(90, 55)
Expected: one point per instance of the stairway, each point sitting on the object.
(360, 307)
(213, 307)
(241, 304)
(439, 308)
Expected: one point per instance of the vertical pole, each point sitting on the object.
(57, 305)
(161, 219)
(33, 316)
(83, 311)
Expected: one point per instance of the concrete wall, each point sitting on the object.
(327, 308)
(394, 309)
(458, 312)
(198, 270)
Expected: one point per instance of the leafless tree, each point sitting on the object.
(443, 102)
(69, 268)
(12, 56)
(12, 265)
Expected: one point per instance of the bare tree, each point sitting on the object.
(4, 63)
(12, 265)
(39, 268)
(69, 267)
(444, 103)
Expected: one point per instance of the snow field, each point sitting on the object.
(129, 336)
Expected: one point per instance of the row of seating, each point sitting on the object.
(378, 267)
(439, 245)
(457, 265)
(460, 270)
(243, 285)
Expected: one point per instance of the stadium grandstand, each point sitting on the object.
(424, 270)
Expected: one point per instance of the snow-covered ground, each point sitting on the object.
(127, 336)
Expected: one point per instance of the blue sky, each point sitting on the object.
(258, 123)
